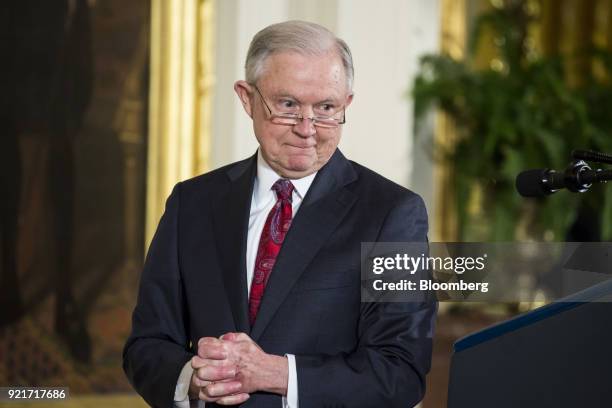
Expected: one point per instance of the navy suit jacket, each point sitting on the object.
(348, 353)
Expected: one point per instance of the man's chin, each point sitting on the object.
(298, 167)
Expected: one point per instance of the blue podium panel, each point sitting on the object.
(557, 356)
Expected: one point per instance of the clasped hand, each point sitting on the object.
(228, 369)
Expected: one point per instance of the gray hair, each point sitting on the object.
(297, 36)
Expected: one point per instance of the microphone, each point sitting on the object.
(578, 178)
(590, 155)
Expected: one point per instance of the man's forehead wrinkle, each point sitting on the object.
(323, 70)
(284, 93)
(307, 88)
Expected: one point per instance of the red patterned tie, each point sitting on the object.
(272, 236)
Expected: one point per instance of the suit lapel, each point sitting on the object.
(231, 229)
(323, 208)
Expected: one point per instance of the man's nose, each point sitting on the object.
(305, 127)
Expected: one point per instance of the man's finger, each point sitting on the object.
(216, 351)
(233, 399)
(203, 383)
(198, 362)
(204, 397)
(220, 389)
(228, 336)
(235, 336)
(200, 383)
(209, 341)
(212, 373)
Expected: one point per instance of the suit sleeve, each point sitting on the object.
(393, 354)
(157, 348)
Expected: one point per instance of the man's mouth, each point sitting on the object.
(301, 146)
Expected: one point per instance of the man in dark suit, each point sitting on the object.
(251, 288)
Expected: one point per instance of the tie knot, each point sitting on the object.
(283, 189)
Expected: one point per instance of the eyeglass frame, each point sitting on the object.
(316, 120)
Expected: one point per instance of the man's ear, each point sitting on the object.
(243, 90)
(349, 99)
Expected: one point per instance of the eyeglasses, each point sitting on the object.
(293, 117)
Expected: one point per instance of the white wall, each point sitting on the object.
(386, 38)
(237, 22)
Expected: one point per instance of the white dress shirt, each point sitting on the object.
(262, 201)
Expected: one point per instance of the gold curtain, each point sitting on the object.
(563, 26)
(453, 42)
(182, 52)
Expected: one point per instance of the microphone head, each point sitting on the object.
(531, 183)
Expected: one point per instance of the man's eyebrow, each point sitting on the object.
(282, 94)
(328, 100)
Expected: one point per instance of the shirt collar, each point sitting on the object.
(266, 177)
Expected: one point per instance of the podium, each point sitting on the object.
(559, 355)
